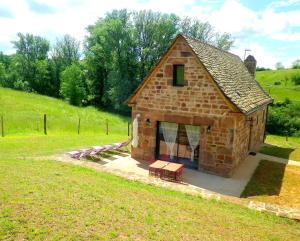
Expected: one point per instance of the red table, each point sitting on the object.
(156, 167)
(166, 170)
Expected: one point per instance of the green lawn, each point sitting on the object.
(42, 199)
(25, 147)
(280, 147)
(23, 115)
(275, 183)
(287, 89)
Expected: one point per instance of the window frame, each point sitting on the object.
(175, 82)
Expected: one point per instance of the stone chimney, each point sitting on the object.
(250, 63)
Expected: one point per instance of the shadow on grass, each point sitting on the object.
(266, 180)
(277, 151)
(109, 155)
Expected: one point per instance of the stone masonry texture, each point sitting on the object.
(225, 138)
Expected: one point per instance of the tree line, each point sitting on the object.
(106, 68)
(295, 65)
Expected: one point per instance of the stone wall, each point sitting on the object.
(254, 123)
(198, 102)
(258, 121)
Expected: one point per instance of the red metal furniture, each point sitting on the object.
(172, 171)
(156, 167)
(166, 170)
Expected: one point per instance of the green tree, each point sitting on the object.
(223, 41)
(154, 32)
(73, 85)
(122, 47)
(30, 50)
(3, 76)
(43, 77)
(203, 31)
(111, 59)
(65, 52)
(279, 66)
(296, 64)
(5, 70)
(5, 60)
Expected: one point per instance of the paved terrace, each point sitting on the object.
(194, 182)
(122, 164)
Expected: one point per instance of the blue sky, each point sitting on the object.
(271, 29)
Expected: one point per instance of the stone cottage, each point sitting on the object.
(200, 106)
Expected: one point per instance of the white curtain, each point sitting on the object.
(135, 134)
(169, 132)
(193, 134)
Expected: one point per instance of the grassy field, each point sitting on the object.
(25, 147)
(275, 183)
(41, 199)
(280, 147)
(286, 89)
(23, 115)
(86, 205)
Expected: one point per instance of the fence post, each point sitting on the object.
(45, 124)
(128, 129)
(78, 127)
(106, 127)
(2, 126)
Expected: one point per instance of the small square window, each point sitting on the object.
(178, 75)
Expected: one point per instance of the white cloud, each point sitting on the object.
(73, 17)
(262, 55)
(285, 3)
(246, 25)
(250, 27)
(232, 17)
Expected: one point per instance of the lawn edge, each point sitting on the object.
(274, 209)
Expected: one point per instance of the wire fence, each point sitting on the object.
(37, 124)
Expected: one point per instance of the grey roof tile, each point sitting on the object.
(231, 75)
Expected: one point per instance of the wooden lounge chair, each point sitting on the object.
(96, 150)
(118, 146)
(85, 152)
(74, 154)
(121, 145)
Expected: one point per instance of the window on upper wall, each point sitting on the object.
(178, 75)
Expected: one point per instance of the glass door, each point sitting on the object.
(181, 150)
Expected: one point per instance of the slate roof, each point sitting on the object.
(231, 75)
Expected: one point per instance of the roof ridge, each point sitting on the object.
(226, 69)
(210, 45)
(235, 72)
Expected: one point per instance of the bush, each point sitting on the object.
(277, 83)
(284, 118)
(22, 85)
(296, 64)
(296, 79)
(73, 85)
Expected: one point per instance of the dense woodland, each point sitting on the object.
(104, 70)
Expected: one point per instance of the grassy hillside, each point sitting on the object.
(23, 114)
(83, 204)
(286, 88)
